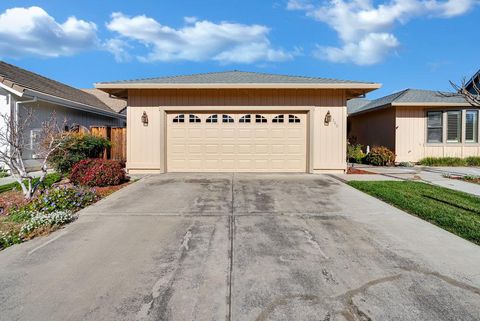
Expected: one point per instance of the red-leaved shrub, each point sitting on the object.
(97, 172)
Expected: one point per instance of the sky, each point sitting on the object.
(402, 44)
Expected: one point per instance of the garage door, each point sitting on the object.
(238, 142)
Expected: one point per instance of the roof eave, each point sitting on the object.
(364, 86)
(370, 110)
(430, 104)
(72, 104)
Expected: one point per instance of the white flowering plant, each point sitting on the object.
(40, 219)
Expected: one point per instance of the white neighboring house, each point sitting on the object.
(22, 90)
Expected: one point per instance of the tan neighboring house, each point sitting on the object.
(22, 91)
(416, 124)
(236, 122)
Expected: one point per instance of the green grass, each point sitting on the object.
(49, 180)
(450, 161)
(456, 212)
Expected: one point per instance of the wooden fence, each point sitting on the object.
(117, 137)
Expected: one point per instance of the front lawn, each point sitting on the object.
(456, 212)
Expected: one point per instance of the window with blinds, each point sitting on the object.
(471, 126)
(434, 127)
(454, 126)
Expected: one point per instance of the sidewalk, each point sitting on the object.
(10, 179)
(431, 175)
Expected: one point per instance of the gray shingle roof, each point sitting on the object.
(117, 104)
(409, 96)
(355, 104)
(235, 77)
(29, 80)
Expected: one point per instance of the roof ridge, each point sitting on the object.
(234, 71)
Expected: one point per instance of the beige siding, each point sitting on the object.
(326, 144)
(411, 142)
(375, 128)
(236, 97)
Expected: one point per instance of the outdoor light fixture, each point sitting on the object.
(328, 118)
(145, 119)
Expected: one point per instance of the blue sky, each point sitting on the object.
(399, 43)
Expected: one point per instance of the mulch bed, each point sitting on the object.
(10, 199)
(107, 190)
(353, 170)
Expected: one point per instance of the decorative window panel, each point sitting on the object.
(454, 126)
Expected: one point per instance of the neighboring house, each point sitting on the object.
(119, 105)
(416, 124)
(474, 82)
(236, 122)
(22, 90)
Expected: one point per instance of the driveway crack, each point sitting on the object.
(231, 231)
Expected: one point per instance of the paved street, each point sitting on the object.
(242, 247)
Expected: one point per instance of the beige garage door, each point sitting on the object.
(238, 142)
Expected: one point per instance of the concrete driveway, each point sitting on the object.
(242, 247)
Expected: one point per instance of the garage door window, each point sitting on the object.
(245, 119)
(212, 119)
(278, 119)
(293, 119)
(179, 119)
(260, 119)
(227, 119)
(194, 119)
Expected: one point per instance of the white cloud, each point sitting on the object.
(33, 32)
(224, 42)
(365, 28)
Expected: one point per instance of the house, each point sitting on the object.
(474, 82)
(236, 122)
(22, 91)
(416, 124)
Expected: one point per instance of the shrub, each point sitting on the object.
(473, 161)
(8, 239)
(39, 220)
(55, 200)
(443, 161)
(406, 164)
(97, 172)
(380, 156)
(76, 147)
(355, 153)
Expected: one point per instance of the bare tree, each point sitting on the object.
(14, 139)
(471, 95)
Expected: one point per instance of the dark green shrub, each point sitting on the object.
(380, 156)
(473, 161)
(97, 172)
(443, 161)
(355, 153)
(76, 147)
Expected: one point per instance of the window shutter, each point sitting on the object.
(471, 126)
(454, 126)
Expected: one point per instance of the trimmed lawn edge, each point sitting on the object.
(453, 211)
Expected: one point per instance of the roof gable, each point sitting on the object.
(21, 79)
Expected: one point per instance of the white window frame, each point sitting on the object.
(460, 130)
(35, 145)
(442, 126)
(475, 128)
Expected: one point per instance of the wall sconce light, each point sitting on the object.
(328, 118)
(145, 119)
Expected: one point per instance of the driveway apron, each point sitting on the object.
(242, 247)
